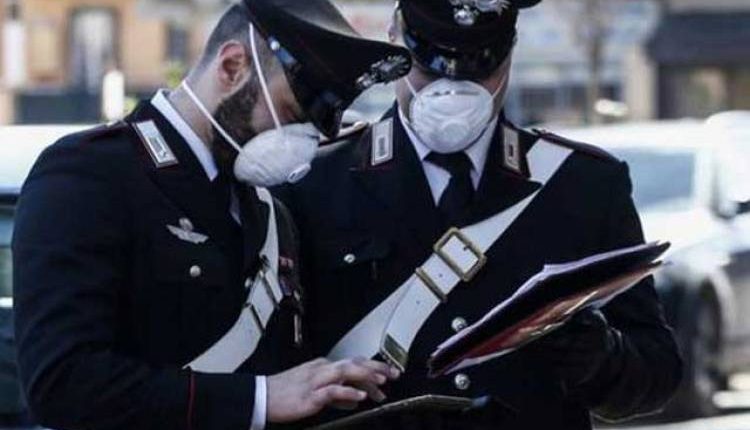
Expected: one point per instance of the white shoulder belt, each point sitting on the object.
(241, 341)
(390, 329)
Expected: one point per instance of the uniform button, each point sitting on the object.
(248, 283)
(350, 258)
(196, 271)
(458, 324)
(462, 381)
(186, 225)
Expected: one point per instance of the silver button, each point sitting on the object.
(186, 225)
(462, 381)
(196, 271)
(275, 45)
(459, 324)
(248, 283)
(350, 258)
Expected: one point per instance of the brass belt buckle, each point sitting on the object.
(465, 275)
(393, 353)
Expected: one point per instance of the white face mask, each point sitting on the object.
(282, 154)
(449, 116)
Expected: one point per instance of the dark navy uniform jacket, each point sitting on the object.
(365, 229)
(109, 305)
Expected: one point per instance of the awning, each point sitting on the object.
(702, 38)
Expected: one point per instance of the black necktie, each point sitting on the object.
(459, 194)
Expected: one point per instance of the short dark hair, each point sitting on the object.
(234, 26)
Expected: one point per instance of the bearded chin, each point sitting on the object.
(234, 116)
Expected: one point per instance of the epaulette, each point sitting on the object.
(346, 135)
(585, 148)
(104, 130)
(380, 143)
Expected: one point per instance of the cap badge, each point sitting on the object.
(383, 71)
(466, 12)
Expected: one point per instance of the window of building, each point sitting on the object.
(694, 91)
(12, 10)
(93, 47)
(565, 102)
(178, 43)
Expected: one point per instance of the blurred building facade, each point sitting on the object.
(644, 58)
(54, 54)
(565, 46)
(697, 60)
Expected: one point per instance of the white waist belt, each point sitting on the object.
(241, 341)
(390, 329)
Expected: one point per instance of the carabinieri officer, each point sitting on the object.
(373, 210)
(155, 279)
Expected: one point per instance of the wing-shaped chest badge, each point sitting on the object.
(185, 232)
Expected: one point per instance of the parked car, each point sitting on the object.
(691, 184)
(19, 148)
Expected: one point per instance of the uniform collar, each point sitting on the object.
(196, 144)
(477, 152)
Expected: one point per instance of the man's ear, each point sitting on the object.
(233, 66)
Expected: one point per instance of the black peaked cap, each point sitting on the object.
(327, 62)
(469, 48)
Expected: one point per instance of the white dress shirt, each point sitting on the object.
(203, 154)
(437, 177)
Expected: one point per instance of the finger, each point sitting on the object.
(337, 394)
(373, 392)
(347, 371)
(378, 366)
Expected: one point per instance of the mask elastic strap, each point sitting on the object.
(411, 87)
(210, 117)
(505, 79)
(262, 78)
(499, 88)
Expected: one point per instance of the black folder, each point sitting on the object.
(546, 302)
(416, 406)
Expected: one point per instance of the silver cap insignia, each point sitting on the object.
(466, 12)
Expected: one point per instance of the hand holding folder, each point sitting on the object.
(546, 302)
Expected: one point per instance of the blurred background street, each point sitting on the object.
(576, 61)
(663, 84)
